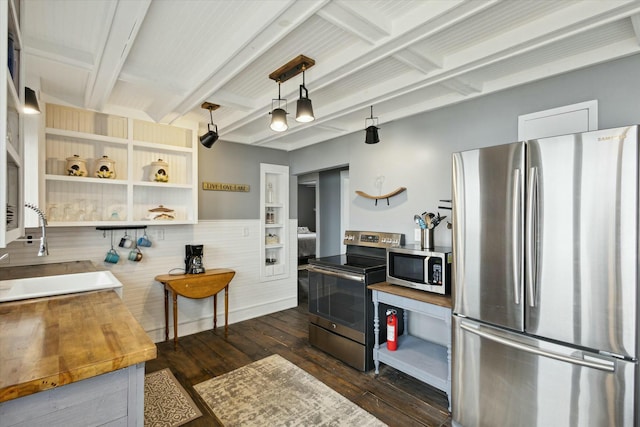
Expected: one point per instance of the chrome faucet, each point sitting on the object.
(44, 249)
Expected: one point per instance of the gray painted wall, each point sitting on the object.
(416, 152)
(233, 163)
(307, 207)
(329, 212)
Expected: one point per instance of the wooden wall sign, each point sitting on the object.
(221, 186)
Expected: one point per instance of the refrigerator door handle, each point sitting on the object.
(531, 231)
(515, 237)
(593, 363)
(457, 218)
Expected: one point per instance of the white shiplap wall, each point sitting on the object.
(227, 244)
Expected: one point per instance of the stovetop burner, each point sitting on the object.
(354, 263)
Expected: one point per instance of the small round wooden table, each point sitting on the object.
(195, 286)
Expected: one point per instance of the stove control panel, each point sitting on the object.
(374, 239)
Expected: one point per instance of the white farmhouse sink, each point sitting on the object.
(36, 287)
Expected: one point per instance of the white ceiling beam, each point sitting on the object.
(418, 61)
(58, 53)
(462, 85)
(225, 98)
(118, 40)
(350, 17)
(635, 22)
(166, 86)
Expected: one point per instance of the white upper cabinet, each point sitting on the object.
(11, 138)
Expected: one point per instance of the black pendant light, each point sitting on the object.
(371, 130)
(279, 114)
(30, 102)
(209, 138)
(304, 111)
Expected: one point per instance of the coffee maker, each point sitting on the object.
(193, 259)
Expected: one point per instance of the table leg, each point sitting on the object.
(226, 309)
(175, 320)
(166, 314)
(215, 311)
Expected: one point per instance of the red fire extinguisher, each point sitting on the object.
(392, 330)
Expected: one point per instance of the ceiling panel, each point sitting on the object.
(579, 44)
(70, 25)
(500, 18)
(361, 81)
(316, 39)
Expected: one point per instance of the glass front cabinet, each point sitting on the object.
(274, 218)
(11, 124)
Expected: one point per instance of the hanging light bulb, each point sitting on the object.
(304, 111)
(371, 130)
(279, 115)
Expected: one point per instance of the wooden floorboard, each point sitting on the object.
(394, 397)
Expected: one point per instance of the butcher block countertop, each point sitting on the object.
(428, 297)
(50, 342)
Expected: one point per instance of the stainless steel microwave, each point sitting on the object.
(424, 269)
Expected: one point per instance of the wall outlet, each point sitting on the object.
(159, 234)
(29, 242)
(416, 234)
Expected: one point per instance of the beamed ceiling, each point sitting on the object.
(162, 59)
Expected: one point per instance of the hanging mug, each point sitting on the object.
(135, 255)
(144, 241)
(112, 256)
(126, 241)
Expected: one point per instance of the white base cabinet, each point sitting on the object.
(114, 399)
(425, 360)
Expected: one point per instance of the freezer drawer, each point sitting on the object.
(505, 379)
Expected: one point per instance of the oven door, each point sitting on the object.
(337, 302)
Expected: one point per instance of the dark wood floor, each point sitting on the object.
(393, 397)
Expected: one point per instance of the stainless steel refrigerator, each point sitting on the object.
(545, 236)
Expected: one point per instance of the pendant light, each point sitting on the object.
(278, 114)
(209, 138)
(371, 130)
(30, 102)
(304, 111)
